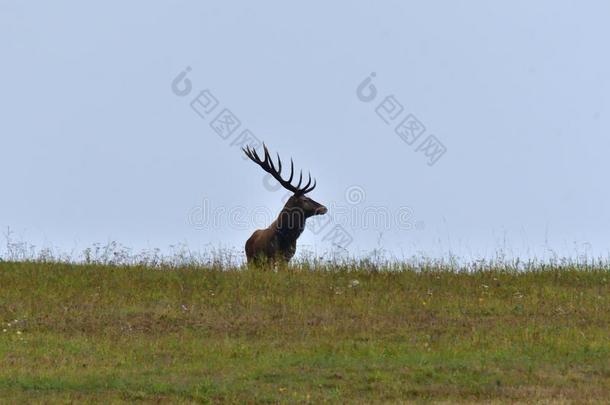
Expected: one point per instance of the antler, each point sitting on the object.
(269, 167)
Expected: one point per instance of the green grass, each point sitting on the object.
(92, 333)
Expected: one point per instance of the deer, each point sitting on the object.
(278, 242)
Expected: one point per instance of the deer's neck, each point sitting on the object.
(290, 224)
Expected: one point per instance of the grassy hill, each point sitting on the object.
(349, 333)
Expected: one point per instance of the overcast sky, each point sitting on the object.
(506, 106)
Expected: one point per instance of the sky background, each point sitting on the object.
(96, 145)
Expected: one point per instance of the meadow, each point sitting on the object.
(307, 333)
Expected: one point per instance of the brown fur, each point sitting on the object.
(279, 240)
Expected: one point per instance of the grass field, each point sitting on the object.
(93, 333)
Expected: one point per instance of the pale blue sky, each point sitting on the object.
(95, 145)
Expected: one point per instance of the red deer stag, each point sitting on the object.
(279, 240)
